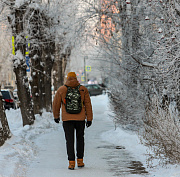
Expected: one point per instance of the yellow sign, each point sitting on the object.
(27, 47)
(13, 46)
(88, 68)
(82, 78)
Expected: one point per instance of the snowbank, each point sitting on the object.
(20, 148)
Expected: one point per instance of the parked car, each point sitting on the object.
(94, 89)
(9, 100)
(15, 93)
(16, 97)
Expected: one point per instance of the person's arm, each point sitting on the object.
(88, 106)
(57, 105)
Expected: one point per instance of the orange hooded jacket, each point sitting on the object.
(86, 112)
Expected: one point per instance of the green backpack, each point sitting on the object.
(72, 101)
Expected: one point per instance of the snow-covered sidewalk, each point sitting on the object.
(52, 157)
(39, 150)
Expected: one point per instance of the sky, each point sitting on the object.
(39, 149)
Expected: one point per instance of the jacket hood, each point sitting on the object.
(72, 82)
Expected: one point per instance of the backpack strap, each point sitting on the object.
(75, 87)
(78, 86)
(64, 101)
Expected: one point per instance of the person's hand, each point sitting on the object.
(88, 123)
(57, 120)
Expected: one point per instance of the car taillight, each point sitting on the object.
(9, 100)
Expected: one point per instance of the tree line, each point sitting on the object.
(37, 33)
(143, 51)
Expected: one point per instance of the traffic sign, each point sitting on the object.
(88, 68)
(27, 63)
(82, 78)
(13, 46)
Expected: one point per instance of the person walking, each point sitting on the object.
(74, 101)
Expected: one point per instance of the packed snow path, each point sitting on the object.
(52, 158)
(102, 159)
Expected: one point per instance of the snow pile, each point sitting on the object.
(20, 148)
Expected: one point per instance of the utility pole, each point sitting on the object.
(85, 76)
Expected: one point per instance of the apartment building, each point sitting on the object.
(7, 76)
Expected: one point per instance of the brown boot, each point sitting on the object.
(71, 165)
(80, 163)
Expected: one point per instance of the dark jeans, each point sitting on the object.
(69, 129)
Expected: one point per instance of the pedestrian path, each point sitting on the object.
(102, 159)
(52, 159)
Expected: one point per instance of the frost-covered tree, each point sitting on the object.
(41, 37)
(38, 27)
(143, 49)
(165, 85)
(17, 24)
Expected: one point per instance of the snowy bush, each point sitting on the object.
(127, 107)
(161, 131)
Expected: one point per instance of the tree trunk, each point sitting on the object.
(65, 60)
(4, 127)
(64, 64)
(47, 57)
(57, 68)
(24, 96)
(57, 74)
(20, 66)
(36, 61)
(36, 84)
(49, 51)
